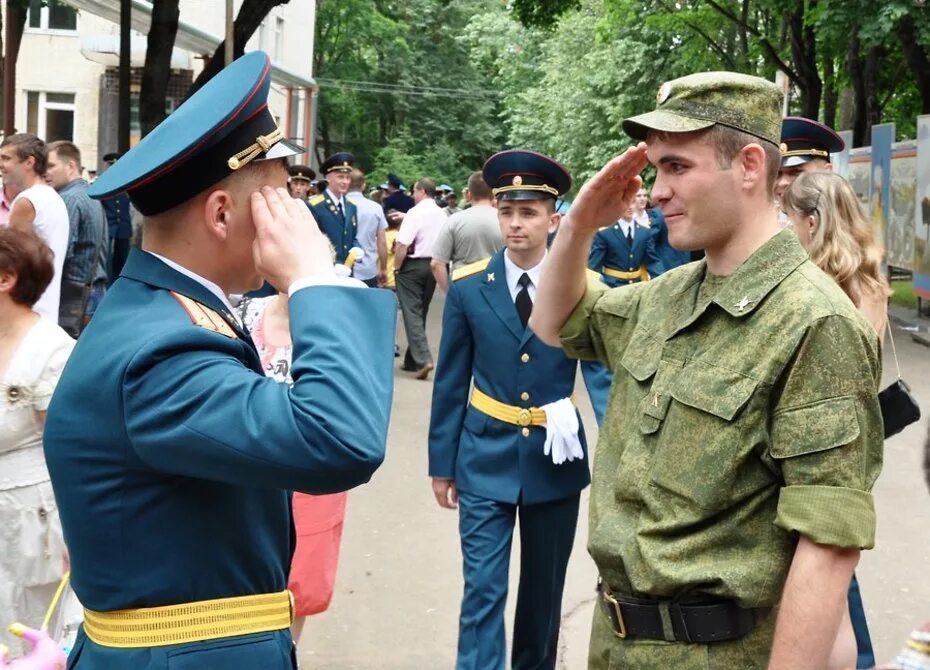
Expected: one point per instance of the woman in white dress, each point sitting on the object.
(33, 352)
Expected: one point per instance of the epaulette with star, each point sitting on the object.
(317, 199)
(203, 316)
(470, 269)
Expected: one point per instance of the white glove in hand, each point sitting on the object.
(562, 431)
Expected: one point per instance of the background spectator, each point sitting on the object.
(469, 235)
(84, 275)
(36, 206)
(372, 267)
(119, 227)
(33, 351)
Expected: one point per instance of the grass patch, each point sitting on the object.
(902, 293)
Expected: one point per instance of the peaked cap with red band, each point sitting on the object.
(218, 130)
(518, 174)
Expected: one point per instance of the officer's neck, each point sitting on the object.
(526, 259)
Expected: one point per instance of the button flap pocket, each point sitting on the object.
(816, 427)
(653, 409)
(718, 391)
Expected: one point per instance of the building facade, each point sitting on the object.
(67, 78)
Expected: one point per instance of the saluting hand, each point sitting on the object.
(288, 243)
(446, 494)
(609, 194)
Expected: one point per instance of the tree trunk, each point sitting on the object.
(157, 70)
(804, 54)
(917, 59)
(250, 16)
(829, 91)
(870, 76)
(857, 80)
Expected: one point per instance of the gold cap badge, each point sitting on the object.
(518, 181)
(664, 91)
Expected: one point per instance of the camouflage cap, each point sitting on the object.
(698, 101)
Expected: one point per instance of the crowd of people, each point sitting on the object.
(730, 347)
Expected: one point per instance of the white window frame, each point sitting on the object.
(278, 51)
(43, 28)
(45, 105)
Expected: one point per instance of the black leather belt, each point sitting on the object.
(714, 621)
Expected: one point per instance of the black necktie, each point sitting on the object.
(523, 301)
(629, 235)
(341, 213)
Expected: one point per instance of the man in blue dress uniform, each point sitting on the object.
(396, 199)
(806, 147)
(625, 253)
(514, 446)
(336, 216)
(171, 454)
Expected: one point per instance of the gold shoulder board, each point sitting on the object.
(470, 269)
(317, 199)
(204, 316)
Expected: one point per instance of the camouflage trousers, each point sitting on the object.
(608, 652)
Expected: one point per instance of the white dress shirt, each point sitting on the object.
(420, 227)
(206, 283)
(514, 272)
(337, 201)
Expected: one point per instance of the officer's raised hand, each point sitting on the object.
(607, 195)
(288, 243)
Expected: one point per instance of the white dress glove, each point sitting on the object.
(562, 441)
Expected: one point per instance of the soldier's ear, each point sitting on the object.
(554, 220)
(218, 210)
(752, 161)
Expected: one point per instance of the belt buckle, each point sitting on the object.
(616, 606)
(524, 417)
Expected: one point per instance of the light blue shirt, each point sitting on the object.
(370, 221)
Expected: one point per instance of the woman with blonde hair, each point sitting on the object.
(832, 225)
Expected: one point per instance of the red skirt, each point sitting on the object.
(318, 520)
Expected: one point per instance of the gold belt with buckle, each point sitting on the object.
(190, 622)
(640, 274)
(518, 416)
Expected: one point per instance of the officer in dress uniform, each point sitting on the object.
(806, 146)
(337, 216)
(507, 449)
(299, 179)
(625, 253)
(170, 452)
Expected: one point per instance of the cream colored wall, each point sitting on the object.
(51, 61)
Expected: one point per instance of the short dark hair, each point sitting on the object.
(478, 187)
(25, 254)
(426, 185)
(67, 151)
(356, 180)
(27, 145)
(728, 142)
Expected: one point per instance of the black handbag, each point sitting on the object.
(899, 408)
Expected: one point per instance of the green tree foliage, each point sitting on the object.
(397, 79)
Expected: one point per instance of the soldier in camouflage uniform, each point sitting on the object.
(731, 485)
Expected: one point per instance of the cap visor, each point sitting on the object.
(283, 149)
(662, 121)
(794, 161)
(525, 195)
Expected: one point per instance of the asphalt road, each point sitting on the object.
(400, 581)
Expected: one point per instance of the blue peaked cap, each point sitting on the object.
(221, 128)
(518, 174)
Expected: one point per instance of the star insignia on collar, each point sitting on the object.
(743, 303)
(490, 276)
